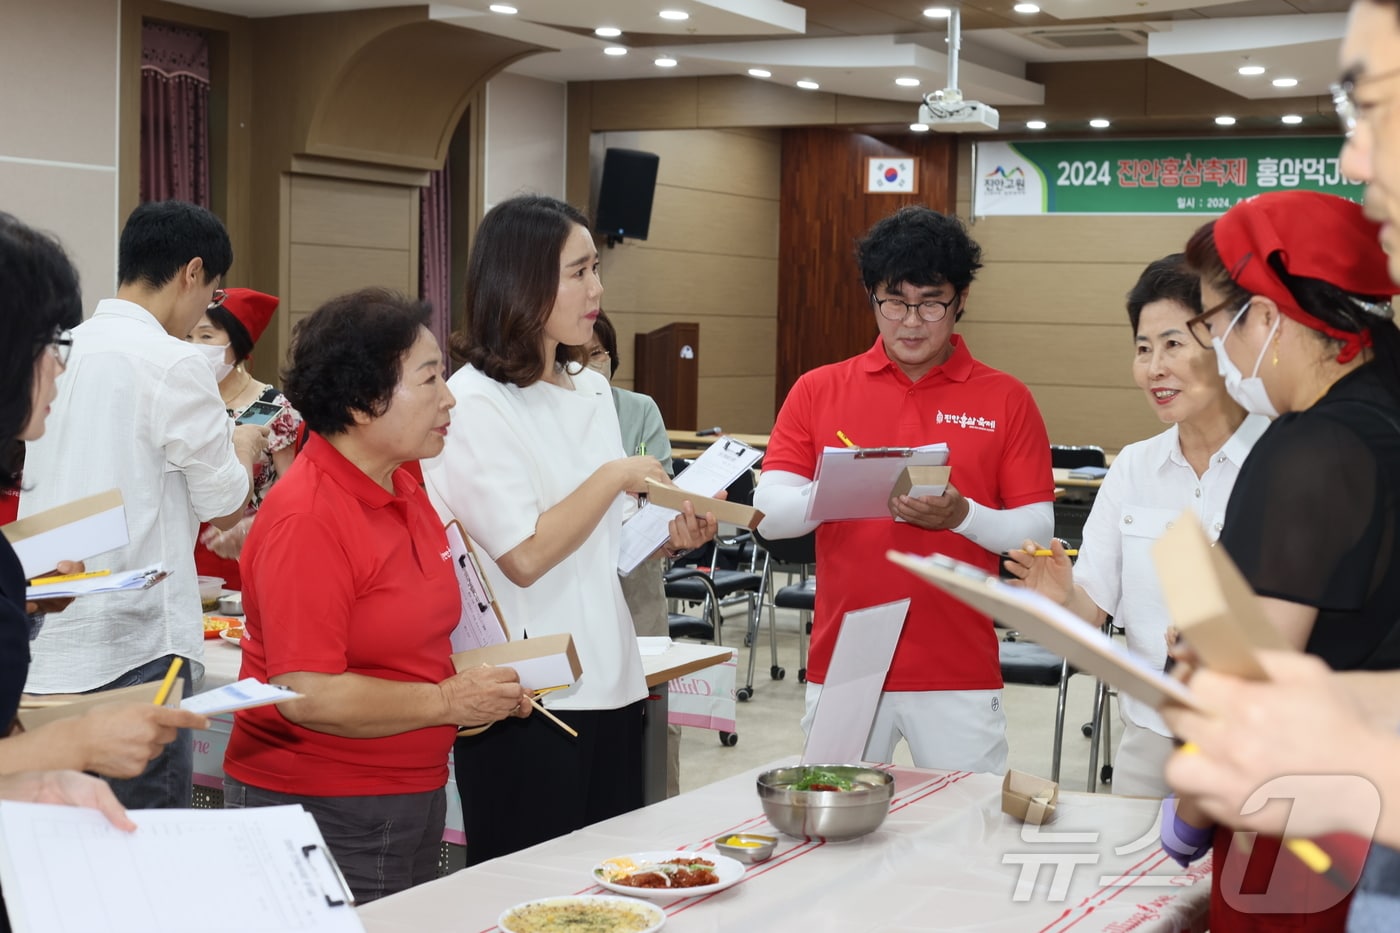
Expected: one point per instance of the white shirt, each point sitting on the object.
(138, 410)
(511, 455)
(1148, 486)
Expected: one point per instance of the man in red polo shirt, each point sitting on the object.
(917, 385)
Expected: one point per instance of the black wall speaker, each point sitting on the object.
(624, 198)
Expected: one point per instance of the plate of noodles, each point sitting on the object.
(583, 913)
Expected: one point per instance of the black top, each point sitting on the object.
(1314, 518)
(14, 635)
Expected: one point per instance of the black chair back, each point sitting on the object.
(800, 550)
(1068, 458)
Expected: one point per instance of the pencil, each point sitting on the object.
(168, 682)
(553, 718)
(844, 439)
(68, 577)
(1046, 552)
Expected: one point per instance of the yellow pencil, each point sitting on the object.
(1046, 552)
(844, 439)
(164, 692)
(69, 577)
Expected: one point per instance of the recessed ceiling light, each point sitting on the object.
(760, 72)
(1285, 82)
(665, 62)
(607, 32)
(1292, 119)
(505, 8)
(1026, 8)
(1251, 70)
(1223, 120)
(938, 12)
(907, 82)
(614, 50)
(676, 15)
(808, 85)
(1035, 124)
(1099, 123)
(918, 127)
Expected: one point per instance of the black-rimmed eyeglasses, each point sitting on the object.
(1344, 97)
(61, 345)
(930, 310)
(217, 299)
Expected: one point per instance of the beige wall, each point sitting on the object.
(525, 127)
(1048, 308)
(711, 257)
(58, 129)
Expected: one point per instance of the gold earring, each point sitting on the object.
(1275, 348)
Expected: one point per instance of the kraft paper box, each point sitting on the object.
(36, 710)
(543, 663)
(1211, 603)
(1028, 798)
(921, 481)
(672, 497)
(76, 530)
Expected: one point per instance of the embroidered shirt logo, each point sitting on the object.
(446, 554)
(965, 420)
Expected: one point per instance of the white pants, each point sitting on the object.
(1137, 768)
(956, 730)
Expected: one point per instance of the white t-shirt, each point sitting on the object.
(1148, 486)
(511, 455)
(138, 410)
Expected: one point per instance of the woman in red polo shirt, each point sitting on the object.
(351, 598)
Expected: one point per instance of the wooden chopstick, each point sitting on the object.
(555, 719)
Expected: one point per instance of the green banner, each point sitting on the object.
(1151, 176)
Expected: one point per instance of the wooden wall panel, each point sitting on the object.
(1093, 355)
(322, 272)
(712, 258)
(823, 314)
(334, 211)
(1110, 418)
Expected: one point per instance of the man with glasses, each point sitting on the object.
(138, 409)
(917, 385)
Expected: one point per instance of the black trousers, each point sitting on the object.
(525, 781)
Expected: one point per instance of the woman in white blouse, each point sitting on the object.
(534, 470)
(1193, 464)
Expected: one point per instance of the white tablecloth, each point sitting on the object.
(946, 859)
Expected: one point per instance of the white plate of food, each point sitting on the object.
(668, 874)
(233, 635)
(597, 913)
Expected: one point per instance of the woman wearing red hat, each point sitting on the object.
(1298, 313)
(230, 327)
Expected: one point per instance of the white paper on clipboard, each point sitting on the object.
(1047, 623)
(855, 679)
(481, 623)
(712, 471)
(855, 482)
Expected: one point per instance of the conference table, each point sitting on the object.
(946, 859)
(688, 440)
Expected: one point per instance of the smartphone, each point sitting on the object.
(259, 412)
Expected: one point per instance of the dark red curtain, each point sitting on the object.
(174, 114)
(435, 253)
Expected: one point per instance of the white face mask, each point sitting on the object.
(1250, 392)
(602, 368)
(215, 357)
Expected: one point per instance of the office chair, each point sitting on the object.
(786, 555)
(1072, 509)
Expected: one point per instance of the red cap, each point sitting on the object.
(1316, 236)
(253, 309)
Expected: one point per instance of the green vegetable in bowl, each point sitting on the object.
(821, 779)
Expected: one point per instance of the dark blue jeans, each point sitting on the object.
(168, 779)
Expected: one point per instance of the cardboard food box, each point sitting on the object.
(1028, 798)
(36, 710)
(76, 530)
(921, 481)
(543, 663)
(1211, 603)
(673, 497)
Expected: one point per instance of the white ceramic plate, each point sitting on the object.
(231, 639)
(513, 920)
(728, 870)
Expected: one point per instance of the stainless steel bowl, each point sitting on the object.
(752, 849)
(826, 814)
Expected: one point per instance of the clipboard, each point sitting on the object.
(1053, 626)
(481, 622)
(856, 482)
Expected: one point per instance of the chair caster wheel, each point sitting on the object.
(729, 739)
(802, 675)
(1087, 730)
(776, 672)
(1106, 774)
(743, 694)
(748, 642)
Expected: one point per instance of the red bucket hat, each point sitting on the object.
(1317, 236)
(252, 309)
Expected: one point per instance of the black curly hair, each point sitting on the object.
(919, 246)
(347, 356)
(39, 296)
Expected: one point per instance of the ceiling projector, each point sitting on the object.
(947, 112)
